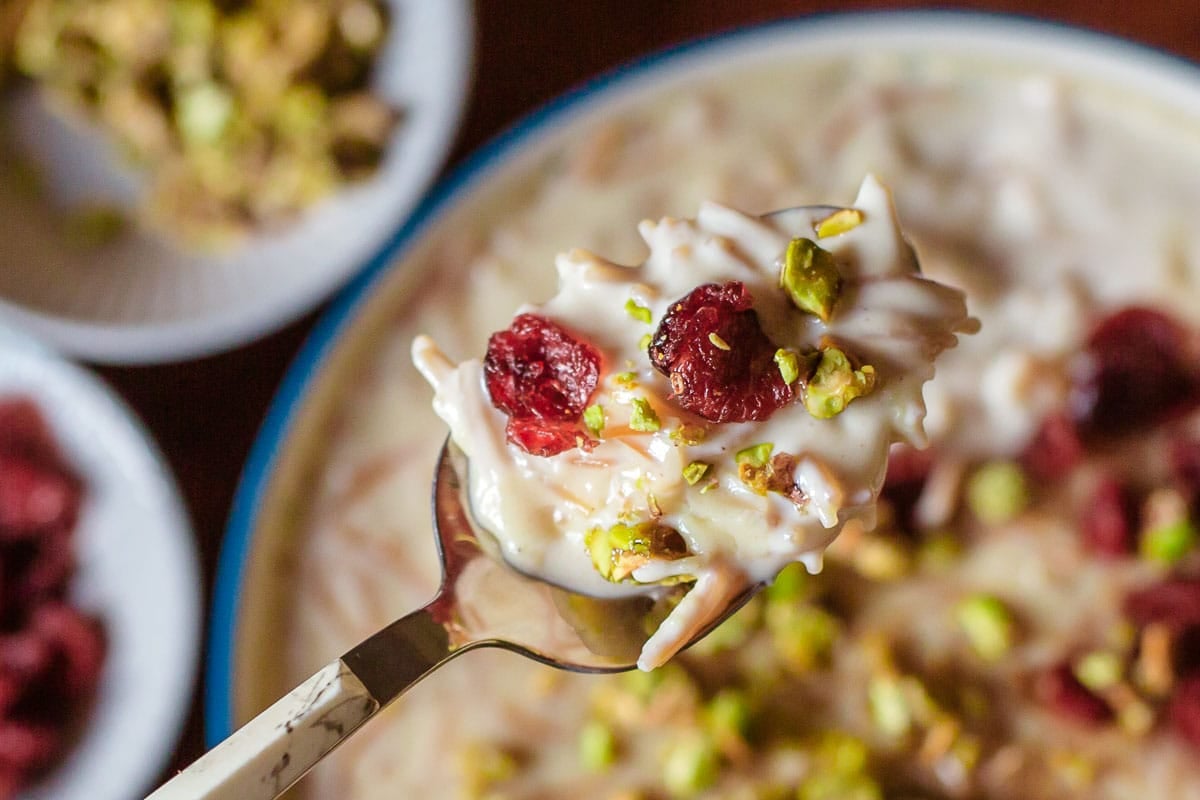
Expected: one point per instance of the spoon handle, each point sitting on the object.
(260, 760)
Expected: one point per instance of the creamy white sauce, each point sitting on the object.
(541, 508)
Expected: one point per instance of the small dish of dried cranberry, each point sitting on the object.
(99, 591)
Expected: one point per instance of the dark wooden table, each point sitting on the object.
(205, 413)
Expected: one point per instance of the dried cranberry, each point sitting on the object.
(26, 746)
(1135, 372)
(1061, 691)
(540, 438)
(720, 362)
(1108, 523)
(908, 468)
(1185, 469)
(1055, 450)
(1183, 710)
(1175, 602)
(33, 498)
(538, 373)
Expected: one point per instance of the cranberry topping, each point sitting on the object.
(1108, 524)
(1054, 451)
(1136, 371)
(1175, 602)
(1183, 710)
(1061, 691)
(720, 362)
(907, 470)
(541, 377)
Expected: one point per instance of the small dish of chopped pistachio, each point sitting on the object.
(183, 175)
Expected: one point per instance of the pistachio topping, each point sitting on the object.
(593, 419)
(839, 222)
(988, 625)
(756, 455)
(626, 380)
(644, 418)
(1168, 544)
(835, 383)
(597, 746)
(689, 434)
(997, 492)
(810, 277)
(644, 342)
(1099, 670)
(718, 342)
(621, 549)
(692, 764)
(638, 311)
(788, 362)
(694, 471)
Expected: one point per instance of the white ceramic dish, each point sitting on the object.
(138, 300)
(249, 592)
(137, 572)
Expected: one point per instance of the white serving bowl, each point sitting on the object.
(139, 300)
(137, 572)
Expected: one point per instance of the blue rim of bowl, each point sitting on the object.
(219, 670)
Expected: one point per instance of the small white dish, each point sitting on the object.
(137, 571)
(138, 300)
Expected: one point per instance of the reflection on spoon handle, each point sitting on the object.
(260, 760)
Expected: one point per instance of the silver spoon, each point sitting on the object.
(482, 602)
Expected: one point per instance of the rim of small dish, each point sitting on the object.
(223, 328)
(1071, 48)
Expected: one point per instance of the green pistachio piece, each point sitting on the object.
(835, 384)
(593, 419)
(620, 550)
(756, 455)
(203, 112)
(692, 765)
(840, 753)
(718, 342)
(689, 434)
(626, 380)
(997, 492)
(644, 342)
(837, 223)
(803, 635)
(889, 706)
(638, 311)
(694, 471)
(1167, 544)
(810, 277)
(1100, 670)
(597, 746)
(727, 715)
(789, 365)
(643, 418)
(988, 625)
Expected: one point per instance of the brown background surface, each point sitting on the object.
(205, 413)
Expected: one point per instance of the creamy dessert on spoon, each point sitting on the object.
(689, 426)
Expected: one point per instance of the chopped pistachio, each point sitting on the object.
(789, 365)
(626, 380)
(621, 549)
(638, 311)
(810, 277)
(792, 585)
(988, 625)
(834, 786)
(889, 706)
(837, 223)
(835, 383)
(644, 418)
(1099, 670)
(203, 112)
(882, 558)
(727, 715)
(694, 471)
(644, 342)
(1168, 543)
(593, 419)
(803, 635)
(718, 342)
(692, 765)
(689, 434)
(597, 746)
(756, 455)
(997, 492)
(840, 753)
(938, 552)
(485, 764)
